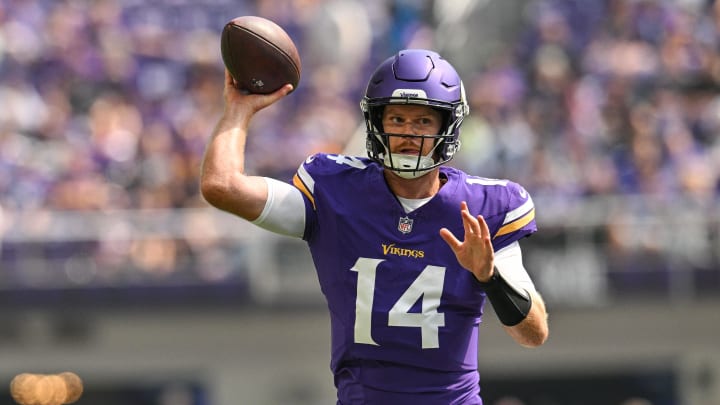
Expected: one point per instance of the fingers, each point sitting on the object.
(484, 230)
(475, 251)
(274, 96)
(466, 218)
(229, 81)
(471, 224)
(450, 239)
(239, 101)
(475, 227)
(281, 92)
(261, 101)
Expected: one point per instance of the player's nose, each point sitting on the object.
(411, 129)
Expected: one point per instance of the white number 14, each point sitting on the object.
(428, 286)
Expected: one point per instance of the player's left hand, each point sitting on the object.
(475, 252)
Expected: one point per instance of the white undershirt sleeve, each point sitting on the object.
(508, 261)
(284, 211)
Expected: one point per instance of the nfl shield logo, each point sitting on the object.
(405, 225)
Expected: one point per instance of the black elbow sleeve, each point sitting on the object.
(511, 304)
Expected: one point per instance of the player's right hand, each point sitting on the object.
(242, 105)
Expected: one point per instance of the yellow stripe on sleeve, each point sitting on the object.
(301, 186)
(517, 224)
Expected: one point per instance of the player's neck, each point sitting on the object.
(421, 187)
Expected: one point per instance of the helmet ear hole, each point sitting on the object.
(444, 125)
(452, 149)
(376, 116)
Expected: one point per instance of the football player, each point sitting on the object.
(407, 249)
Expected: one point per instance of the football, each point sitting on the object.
(259, 54)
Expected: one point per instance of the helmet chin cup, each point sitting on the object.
(412, 175)
(409, 166)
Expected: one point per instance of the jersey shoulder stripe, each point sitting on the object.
(517, 218)
(508, 204)
(518, 224)
(321, 166)
(305, 183)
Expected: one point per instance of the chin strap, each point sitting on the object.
(511, 304)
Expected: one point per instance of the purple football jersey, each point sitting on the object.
(404, 313)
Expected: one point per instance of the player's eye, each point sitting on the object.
(395, 120)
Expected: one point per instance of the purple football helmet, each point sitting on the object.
(415, 76)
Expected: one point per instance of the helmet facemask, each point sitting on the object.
(445, 144)
(416, 77)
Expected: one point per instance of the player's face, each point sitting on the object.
(410, 119)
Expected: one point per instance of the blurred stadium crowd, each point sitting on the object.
(604, 98)
(108, 104)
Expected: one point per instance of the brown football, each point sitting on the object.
(259, 54)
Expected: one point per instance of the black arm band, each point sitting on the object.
(511, 304)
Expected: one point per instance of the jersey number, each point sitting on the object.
(427, 286)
